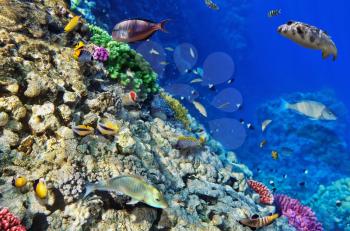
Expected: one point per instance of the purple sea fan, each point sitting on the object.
(299, 216)
(100, 54)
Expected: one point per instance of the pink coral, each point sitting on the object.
(265, 194)
(100, 54)
(299, 216)
(8, 222)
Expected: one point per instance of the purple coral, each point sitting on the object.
(299, 216)
(100, 54)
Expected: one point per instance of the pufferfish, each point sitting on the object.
(310, 37)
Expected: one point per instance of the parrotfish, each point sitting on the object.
(313, 109)
(72, 24)
(256, 222)
(310, 37)
(134, 30)
(132, 186)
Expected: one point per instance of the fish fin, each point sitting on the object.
(132, 202)
(324, 55)
(284, 105)
(89, 188)
(162, 25)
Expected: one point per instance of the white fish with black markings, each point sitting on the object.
(312, 109)
(310, 37)
(274, 13)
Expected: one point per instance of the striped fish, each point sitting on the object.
(259, 222)
(108, 127)
(273, 13)
(82, 130)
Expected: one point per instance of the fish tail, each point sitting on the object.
(89, 188)
(284, 105)
(162, 25)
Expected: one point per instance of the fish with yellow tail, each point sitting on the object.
(82, 130)
(40, 188)
(72, 24)
(256, 222)
(107, 127)
(133, 186)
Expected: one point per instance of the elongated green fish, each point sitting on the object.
(132, 186)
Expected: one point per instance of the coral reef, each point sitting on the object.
(332, 203)
(8, 222)
(100, 54)
(299, 216)
(126, 64)
(55, 92)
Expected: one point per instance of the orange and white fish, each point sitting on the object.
(259, 222)
(82, 130)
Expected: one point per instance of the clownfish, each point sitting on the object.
(40, 188)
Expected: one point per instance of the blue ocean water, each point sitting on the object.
(240, 43)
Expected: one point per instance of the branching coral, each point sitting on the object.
(8, 222)
(299, 216)
(181, 113)
(265, 194)
(126, 64)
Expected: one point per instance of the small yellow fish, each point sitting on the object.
(19, 181)
(40, 188)
(198, 80)
(265, 124)
(132, 186)
(263, 143)
(200, 108)
(108, 128)
(223, 105)
(72, 24)
(79, 45)
(82, 130)
(274, 155)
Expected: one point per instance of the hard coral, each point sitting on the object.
(265, 194)
(126, 64)
(181, 113)
(299, 216)
(100, 54)
(8, 222)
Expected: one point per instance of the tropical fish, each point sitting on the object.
(40, 188)
(310, 37)
(198, 80)
(107, 127)
(19, 181)
(211, 5)
(192, 53)
(134, 30)
(224, 105)
(312, 109)
(82, 130)
(129, 98)
(154, 52)
(259, 222)
(72, 24)
(83, 55)
(262, 143)
(132, 186)
(273, 13)
(264, 124)
(200, 108)
(169, 49)
(274, 155)
(79, 45)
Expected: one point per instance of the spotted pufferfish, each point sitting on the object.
(310, 37)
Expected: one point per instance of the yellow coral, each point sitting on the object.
(181, 113)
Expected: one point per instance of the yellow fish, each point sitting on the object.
(132, 186)
(200, 108)
(274, 155)
(19, 181)
(79, 45)
(82, 130)
(40, 188)
(108, 128)
(198, 80)
(72, 24)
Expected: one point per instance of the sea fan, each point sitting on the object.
(299, 216)
(265, 194)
